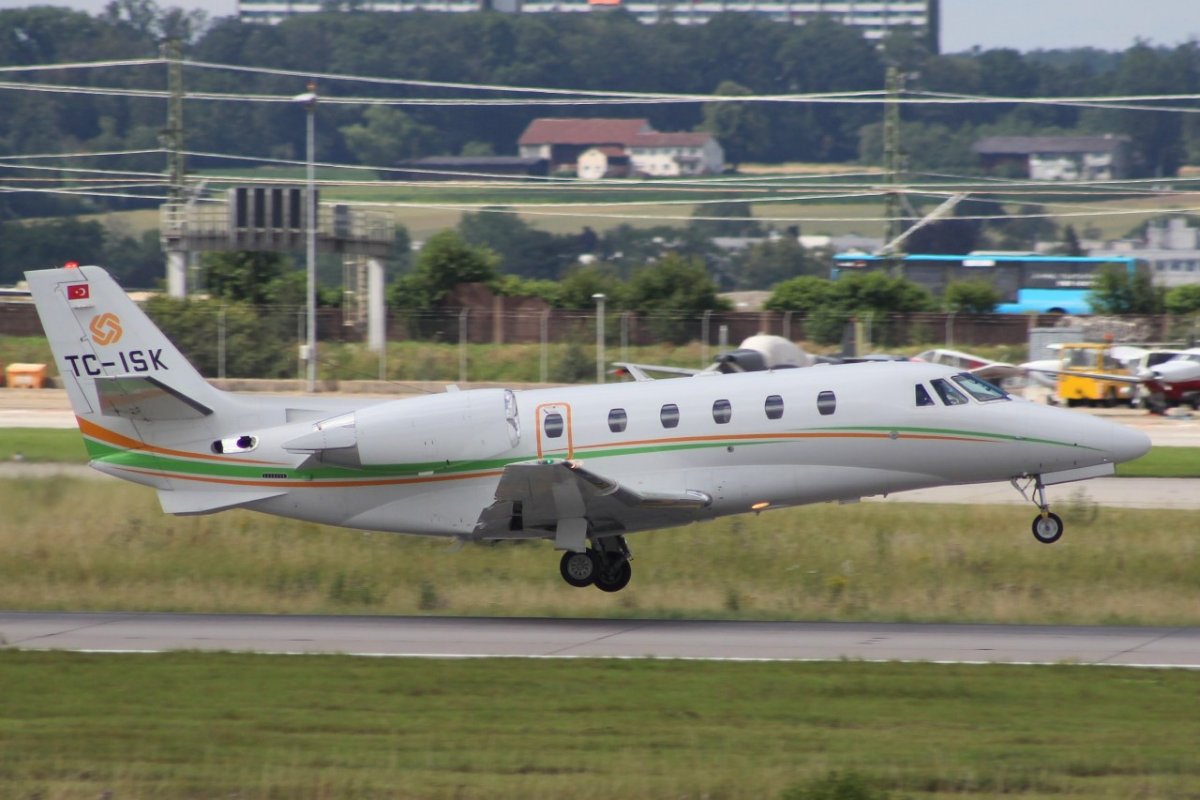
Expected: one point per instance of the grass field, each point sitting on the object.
(81, 544)
(330, 727)
(42, 445)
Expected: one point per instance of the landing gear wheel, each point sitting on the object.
(614, 578)
(1047, 528)
(579, 569)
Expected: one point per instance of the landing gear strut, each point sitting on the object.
(1047, 526)
(604, 565)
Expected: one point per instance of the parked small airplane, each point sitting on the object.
(1171, 378)
(581, 466)
(755, 354)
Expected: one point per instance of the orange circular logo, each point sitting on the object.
(106, 329)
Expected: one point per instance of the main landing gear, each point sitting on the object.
(1047, 526)
(604, 565)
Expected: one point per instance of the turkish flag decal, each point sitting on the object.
(79, 291)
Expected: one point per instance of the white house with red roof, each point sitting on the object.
(607, 142)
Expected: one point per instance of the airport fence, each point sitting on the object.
(263, 342)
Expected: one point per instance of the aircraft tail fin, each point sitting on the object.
(113, 361)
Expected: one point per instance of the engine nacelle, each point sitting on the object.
(433, 430)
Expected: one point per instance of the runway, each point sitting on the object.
(457, 637)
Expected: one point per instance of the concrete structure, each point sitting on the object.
(565, 142)
(1056, 158)
(1170, 251)
(874, 18)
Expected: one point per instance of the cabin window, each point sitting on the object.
(980, 389)
(722, 411)
(950, 396)
(923, 398)
(773, 407)
(617, 420)
(826, 403)
(552, 425)
(669, 414)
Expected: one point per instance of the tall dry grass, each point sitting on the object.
(90, 545)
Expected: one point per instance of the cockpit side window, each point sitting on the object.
(923, 398)
(950, 396)
(980, 389)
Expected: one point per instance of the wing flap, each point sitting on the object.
(532, 499)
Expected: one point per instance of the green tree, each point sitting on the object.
(243, 275)
(577, 286)
(673, 293)
(971, 297)
(743, 129)
(389, 136)
(1156, 135)
(765, 264)
(523, 249)
(256, 345)
(1183, 299)
(804, 294)
(828, 305)
(1116, 291)
(443, 263)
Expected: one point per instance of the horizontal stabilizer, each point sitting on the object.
(147, 399)
(206, 502)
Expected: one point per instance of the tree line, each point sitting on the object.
(732, 54)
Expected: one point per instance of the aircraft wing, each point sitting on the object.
(641, 372)
(536, 498)
(998, 371)
(1099, 376)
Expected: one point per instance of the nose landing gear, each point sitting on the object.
(1047, 526)
(604, 565)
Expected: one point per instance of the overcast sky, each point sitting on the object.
(1021, 24)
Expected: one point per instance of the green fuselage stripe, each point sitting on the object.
(143, 460)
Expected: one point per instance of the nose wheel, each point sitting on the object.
(1047, 526)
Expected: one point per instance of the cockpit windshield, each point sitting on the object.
(950, 396)
(980, 389)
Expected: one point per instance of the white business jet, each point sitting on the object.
(581, 466)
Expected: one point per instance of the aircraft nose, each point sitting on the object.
(1128, 444)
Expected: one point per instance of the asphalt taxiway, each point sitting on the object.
(474, 637)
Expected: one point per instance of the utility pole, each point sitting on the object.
(892, 157)
(173, 135)
(172, 50)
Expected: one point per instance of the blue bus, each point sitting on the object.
(1027, 282)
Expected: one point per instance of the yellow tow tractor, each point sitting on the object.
(1082, 380)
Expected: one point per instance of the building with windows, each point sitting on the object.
(1056, 158)
(875, 18)
(1171, 252)
(592, 148)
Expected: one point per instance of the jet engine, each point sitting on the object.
(434, 430)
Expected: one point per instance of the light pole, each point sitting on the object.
(309, 99)
(599, 297)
